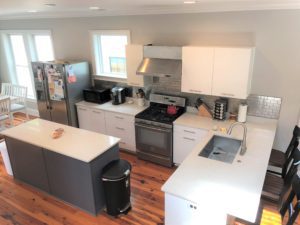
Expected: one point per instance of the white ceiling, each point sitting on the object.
(12, 9)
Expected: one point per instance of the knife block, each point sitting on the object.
(204, 111)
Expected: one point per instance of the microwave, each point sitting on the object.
(98, 96)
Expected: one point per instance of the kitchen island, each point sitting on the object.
(68, 168)
(206, 191)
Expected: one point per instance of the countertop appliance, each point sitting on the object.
(98, 96)
(154, 129)
(59, 86)
(118, 95)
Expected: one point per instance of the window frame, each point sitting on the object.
(96, 53)
(31, 53)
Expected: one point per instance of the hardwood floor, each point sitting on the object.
(21, 204)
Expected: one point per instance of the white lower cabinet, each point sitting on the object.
(91, 119)
(184, 140)
(180, 211)
(110, 123)
(121, 126)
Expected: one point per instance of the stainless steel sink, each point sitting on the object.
(221, 148)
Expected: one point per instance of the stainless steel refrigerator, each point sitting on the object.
(59, 86)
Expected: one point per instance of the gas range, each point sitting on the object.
(156, 114)
(154, 129)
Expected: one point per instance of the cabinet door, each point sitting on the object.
(185, 139)
(134, 56)
(232, 72)
(197, 69)
(97, 121)
(121, 126)
(84, 120)
(70, 180)
(180, 211)
(28, 163)
(91, 119)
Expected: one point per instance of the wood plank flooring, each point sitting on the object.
(21, 204)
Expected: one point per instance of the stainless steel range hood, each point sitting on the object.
(160, 61)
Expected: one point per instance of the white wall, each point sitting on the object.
(275, 34)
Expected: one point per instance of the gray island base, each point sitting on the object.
(71, 180)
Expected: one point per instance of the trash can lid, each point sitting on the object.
(116, 169)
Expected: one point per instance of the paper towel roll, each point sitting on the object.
(242, 116)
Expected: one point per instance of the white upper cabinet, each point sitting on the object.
(232, 72)
(197, 69)
(134, 56)
(217, 71)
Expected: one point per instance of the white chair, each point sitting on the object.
(6, 89)
(19, 103)
(5, 112)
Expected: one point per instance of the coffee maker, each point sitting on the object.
(118, 95)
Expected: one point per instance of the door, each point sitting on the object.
(197, 69)
(232, 72)
(57, 93)
(41, 90)
(154, 140)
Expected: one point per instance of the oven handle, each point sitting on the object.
(152, 128)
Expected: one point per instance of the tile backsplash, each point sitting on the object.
(264, 106)
(261, 106)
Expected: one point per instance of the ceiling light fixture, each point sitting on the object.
(189, 2)
(94, 8)
(31, 11)
(50, 4)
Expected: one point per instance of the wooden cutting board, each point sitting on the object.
(203, 110)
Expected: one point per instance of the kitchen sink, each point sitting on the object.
(221, 148)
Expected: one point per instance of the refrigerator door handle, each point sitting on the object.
(47, 97)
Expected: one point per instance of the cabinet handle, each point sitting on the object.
(97, 112)
(195, 91)
(188, 131)
(82, 109)
(118, 117)
(120, 128)
(228, 94)
(131, 83)
(190, 139)
(122, 142)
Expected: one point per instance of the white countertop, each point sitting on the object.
(125, 108)
(233, 188)
(76, 143)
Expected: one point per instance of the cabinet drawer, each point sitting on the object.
(118, 118)
(189, 132)
(126, 133)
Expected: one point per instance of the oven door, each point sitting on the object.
(154, 140)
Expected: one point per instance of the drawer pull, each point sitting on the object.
(131, 83)
(188, 131)
(120, 128)
(122, 142)
(195, 91)
(118, 117)
(190, 139)
(228, 94)
(82, 109)
(97, 112)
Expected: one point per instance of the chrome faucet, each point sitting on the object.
(244, 146)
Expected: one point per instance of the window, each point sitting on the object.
(108, 49)
(44, 49)
(21, 63)
(21, 48)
